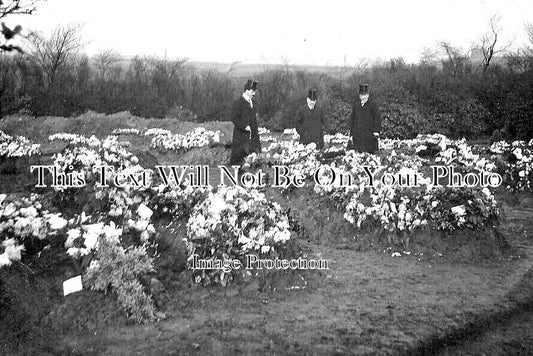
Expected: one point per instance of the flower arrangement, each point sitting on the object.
(157, 132)
(232, 222)
(18, 146)
(516, 165)
(199, 137)
(263, 131)
(292, 133)
(75, 139)
(126, 131)
(338, 139)
(23, 221)
(298, 158)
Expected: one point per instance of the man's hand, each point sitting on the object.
(247, 128)
(376, 134)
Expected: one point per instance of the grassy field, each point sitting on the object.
(440, 299)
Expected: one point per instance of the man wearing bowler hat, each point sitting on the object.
(310, 121)
(245, 130)
(365, 123)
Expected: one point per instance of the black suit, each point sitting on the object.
(244, 142)
(365, 120)
(309, 125)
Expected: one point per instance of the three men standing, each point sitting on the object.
(365, 123)
(310, 121)
(245, 130)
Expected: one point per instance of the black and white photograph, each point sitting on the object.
(266, 178)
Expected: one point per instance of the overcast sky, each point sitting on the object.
(273, 31)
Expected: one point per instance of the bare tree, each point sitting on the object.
(456, 62)
(232, 67)
(428, 56)
(362, 64)
(13, 7)
(529, 34)
(105, 60)
(286, 63)
(56, 51)
(489, 41)
(522, 58)
(17, 7)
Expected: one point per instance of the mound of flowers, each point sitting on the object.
(126, 131)
(298, 158)
(75, 139)
(157, 132)
(337, 139)
(199, 137)
(515, 163)
(23, 222)
(114, 250)
(17, 146)
(111, 240)
(398, 211)
(116, 228)
(230, 224)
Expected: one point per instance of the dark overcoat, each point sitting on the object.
(244, 142)
(309, 125)
(365, 120)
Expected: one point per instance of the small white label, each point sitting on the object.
(72, 285)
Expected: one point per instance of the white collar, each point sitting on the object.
(248, 99)
(311, 103)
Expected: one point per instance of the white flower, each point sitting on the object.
(91, 239)
(94, 265)
(56, 222)
(145, 235)
(72, 235)
(144, 212)
(142, 224)
(9, 210)
(217, 205)
(12, 250)
(459, 210)
(4, 260)
(112, 233)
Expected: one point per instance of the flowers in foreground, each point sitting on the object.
(18, 146)
(232, 222)
(12, 252)
(199, 137)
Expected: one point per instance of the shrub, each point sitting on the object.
(120, 269)
(402, 121)
(337, 113)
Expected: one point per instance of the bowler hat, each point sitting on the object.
(363, 88)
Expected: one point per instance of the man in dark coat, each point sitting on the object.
(310, 121)
(245, 130)
(365, 123)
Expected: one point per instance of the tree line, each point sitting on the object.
(450, 94)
